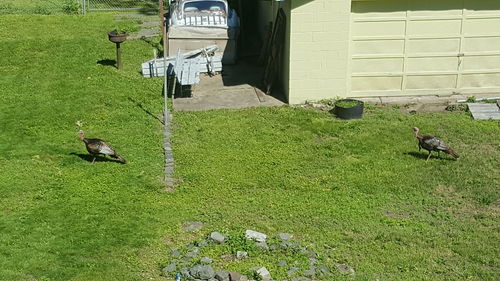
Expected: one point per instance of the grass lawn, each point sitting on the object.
(360, 187)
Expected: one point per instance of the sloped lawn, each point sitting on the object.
(359, 187)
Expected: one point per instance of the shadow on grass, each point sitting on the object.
(89, 158)
(107, 62)
(139, 105)
(424, 156)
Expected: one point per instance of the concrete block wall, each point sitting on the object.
(318, 50)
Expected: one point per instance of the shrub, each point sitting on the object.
(71, 7)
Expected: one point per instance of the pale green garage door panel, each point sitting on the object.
(425, 47)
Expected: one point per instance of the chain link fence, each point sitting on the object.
(117, 5)
(48, 7)
(44, 7)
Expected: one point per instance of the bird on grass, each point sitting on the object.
(432, 143)
(98, 146)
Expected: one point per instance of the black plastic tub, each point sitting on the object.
(349, 109)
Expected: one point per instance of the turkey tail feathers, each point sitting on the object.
(121, 159)
(451, 152)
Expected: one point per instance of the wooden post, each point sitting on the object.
(163, 29)
(118, 56)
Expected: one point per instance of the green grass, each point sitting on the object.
(44, 7)
(61, 217)
(360, 186)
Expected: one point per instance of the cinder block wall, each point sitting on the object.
(318, 50)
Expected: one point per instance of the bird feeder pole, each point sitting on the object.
(117, 38)
(118, 56)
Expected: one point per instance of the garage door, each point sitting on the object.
(412, 47)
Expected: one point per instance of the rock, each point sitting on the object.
(282, 263)
(202, 243)
(192, 226)
(202, 272)
(310, 272)
(190, 246)
(193, 253)
(313, 261)
(185, 273)
(264, 274)
(176, 253)
(217, 237)
(292, 270)
(285, 236)
(241, 254)
(235, 276)
(345, 269)
(323, 269)
(222, 275)
(207, 272)
(169, 269)
(228, 257)
(289, 244)
(262, 245)
(254, 235)
(301, 278)
(206, 260)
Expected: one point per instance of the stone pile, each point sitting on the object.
(203, 271)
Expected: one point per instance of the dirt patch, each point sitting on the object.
(394, 215)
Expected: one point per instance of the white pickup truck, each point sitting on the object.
(194, 24)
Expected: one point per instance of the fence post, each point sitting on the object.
(84, 7)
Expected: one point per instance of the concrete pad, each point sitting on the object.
(370, 100)
(399, 100)
(236, 87)
(426, 99)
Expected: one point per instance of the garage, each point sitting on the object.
(420, 47)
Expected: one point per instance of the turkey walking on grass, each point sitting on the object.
(98, 146)
(432, 143)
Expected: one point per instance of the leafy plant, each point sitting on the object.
(456, 107)
(346, 103)
(122, 27)
(471, 99)
(71, 7)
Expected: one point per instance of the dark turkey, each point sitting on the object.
(98, 146)
(432, 143)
